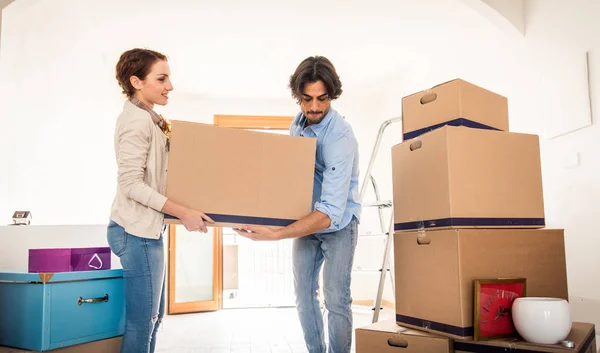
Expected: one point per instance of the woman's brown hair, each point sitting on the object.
(135, 62)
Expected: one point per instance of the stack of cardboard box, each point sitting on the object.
(468, 204)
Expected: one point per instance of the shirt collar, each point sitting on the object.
(317, 128)
(158, 119)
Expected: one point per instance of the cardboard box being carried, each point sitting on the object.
(388, 337)
(582, 334)
(240, 177)
(435, 272)
(457, 103)
(467, 178)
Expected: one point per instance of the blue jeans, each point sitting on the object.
(337, 251)
(143, 262)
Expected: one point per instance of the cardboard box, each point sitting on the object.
(111, 345)
(582, 334)
(388, 337)
(435, 271)
(239, 176)
(466, 178)
(457, 103)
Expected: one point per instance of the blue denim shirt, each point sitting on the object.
(335, 191)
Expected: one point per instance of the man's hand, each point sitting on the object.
(310, 224)
(258, 233)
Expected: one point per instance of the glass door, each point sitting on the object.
(203, 266)
(194, 270)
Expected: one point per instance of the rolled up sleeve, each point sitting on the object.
(339, 160)
(134, 143)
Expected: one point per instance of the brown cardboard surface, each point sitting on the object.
(461, 177)
(583, 334)
(110, 345)
(450, 101)
(239, 176)
(435, 270)
(388, 337)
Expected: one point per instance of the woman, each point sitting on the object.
(135, 231)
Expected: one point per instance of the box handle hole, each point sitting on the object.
(397, 342)
(423, 240)
(415, 145)
(428, 98)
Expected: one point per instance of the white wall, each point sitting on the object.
(555, 30)
(14, 254)
(187, 107)
(511, 9)
(4, 164)
(3, 4)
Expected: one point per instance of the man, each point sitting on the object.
(329, 233)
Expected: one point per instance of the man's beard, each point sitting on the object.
(315, 117)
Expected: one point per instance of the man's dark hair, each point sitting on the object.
(313, 69)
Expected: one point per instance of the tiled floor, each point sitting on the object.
(274, 330)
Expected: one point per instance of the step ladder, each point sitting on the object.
(387, 229)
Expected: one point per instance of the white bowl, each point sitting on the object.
(542, 320)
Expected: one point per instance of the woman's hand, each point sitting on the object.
(195, 220)
(191, 219)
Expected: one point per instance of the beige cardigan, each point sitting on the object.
(142, 159)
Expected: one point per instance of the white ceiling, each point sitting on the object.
(248, 49)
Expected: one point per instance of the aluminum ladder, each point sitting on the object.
(387, 230)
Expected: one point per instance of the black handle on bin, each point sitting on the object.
(80, 301)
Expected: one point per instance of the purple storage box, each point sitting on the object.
(69, 259)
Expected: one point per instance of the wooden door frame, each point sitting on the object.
(255, 122)
(199, 306)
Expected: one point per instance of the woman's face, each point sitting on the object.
(156, 87)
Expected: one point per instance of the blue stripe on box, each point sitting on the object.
(263, 221)
(472, 222)
(456, 122)
(436, 326)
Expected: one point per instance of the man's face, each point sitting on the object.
(315, 103)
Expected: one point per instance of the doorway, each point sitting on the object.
(220, 269)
